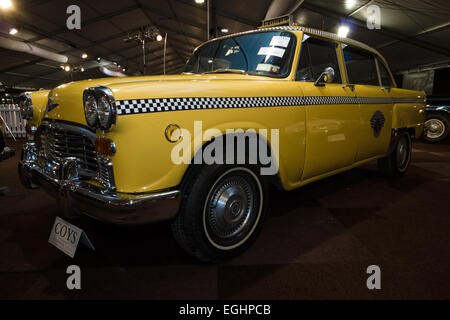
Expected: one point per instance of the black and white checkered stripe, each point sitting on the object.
(125, 107)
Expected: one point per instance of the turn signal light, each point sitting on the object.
(105, 146)
(30, 129)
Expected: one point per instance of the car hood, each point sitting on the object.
(67, 99)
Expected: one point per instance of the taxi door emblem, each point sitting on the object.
(377, 123)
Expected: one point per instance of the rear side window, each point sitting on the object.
(316, 55)
(361, 66)
(386, 79)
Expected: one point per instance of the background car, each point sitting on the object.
(438, 119)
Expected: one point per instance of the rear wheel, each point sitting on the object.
(397, 163)
(221, 212)
(438, 127)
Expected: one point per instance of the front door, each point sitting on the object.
(332, 116)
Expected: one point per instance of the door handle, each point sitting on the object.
(351, 86)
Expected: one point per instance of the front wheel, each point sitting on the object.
(397, 163)
(221, 212)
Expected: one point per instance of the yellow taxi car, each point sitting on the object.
(143, 149)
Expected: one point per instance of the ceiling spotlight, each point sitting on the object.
(350, 4)
(159, 37)
(199, 1)
(67, 68)
(84, 55)
(5, 4)
(82, 69)
(13, 31)
(224, 30)
(343, 31)
(124, 69)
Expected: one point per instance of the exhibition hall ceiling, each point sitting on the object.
(413, 33)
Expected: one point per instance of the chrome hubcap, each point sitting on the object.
(435, 128)
(402, 153)
(232, 209)
(229, 207)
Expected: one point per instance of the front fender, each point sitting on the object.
(39, 101)
(444, 109)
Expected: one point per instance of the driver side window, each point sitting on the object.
(315, 56)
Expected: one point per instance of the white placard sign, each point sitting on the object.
(66, 236)
(280, 41)
(271, 51)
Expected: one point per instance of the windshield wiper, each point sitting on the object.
(226, 71)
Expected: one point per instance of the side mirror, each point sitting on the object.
(327, 76)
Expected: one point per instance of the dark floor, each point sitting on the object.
(317, 243)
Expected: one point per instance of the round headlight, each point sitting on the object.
(90, 109)
(25, 106)
(105, 113)
(99, 108)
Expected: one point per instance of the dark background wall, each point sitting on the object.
(442, 82)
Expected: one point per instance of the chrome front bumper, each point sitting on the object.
(75, 196)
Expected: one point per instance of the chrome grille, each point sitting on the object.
(60, 141)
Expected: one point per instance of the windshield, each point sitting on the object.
(262, 53)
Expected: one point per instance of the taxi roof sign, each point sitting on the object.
(286, 20)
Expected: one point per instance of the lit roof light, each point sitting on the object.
(13, 31)
(224, 30)
(350, 4)
(5, 4)
(159, 37)
(84, 55)
(199, 1)
(98, 59)
(343, 31)
(82, 69)
(67, 68)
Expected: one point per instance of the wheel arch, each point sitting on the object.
(274, 180)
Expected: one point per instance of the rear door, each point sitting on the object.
(376, 105)
(332, 117)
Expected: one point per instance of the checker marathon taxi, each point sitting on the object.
(138, 150)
